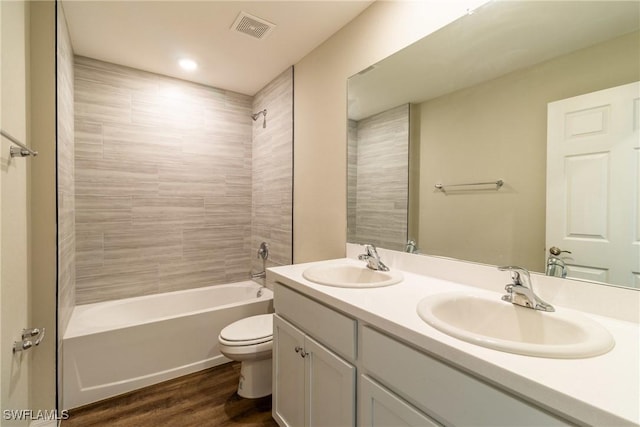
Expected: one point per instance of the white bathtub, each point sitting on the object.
(114, 347)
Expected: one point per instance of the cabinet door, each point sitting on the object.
(331, 386)
(381, 408)
(289, 373)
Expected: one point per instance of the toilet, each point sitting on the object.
(250, 342)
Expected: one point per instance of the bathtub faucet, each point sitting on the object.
(263, 252)
(260, 275)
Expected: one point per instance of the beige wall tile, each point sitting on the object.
(163, 181)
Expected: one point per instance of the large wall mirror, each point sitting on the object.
(448, 140)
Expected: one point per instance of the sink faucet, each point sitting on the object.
(521, 290)
(556, 265)
(372, 258)
(411, 247)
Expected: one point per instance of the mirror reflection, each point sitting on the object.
(490, 98)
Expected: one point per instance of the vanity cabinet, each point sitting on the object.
(380, 407)
(318, 351)
(313, 384)
(446, 394)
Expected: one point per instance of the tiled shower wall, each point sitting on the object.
(163, 183)
(272, 183)
(66, 185)
(378, 171)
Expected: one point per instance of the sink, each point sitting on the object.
(490, 322)
(350, 276)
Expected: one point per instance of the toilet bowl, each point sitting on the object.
(250, 342)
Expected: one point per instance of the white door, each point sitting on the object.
(288, 374)
(593, 184)
(13, 211)
(331, 387)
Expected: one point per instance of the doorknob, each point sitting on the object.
(554, 250)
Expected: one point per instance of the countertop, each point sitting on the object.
(602, 390)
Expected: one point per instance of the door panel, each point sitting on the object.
(330, 389)
(289, 373)
(593, 184)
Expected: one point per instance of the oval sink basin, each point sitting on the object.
(493, 323)
(350, 276)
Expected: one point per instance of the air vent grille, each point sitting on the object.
(252, 26)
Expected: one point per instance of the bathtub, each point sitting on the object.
(118, 346)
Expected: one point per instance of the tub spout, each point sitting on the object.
(260, 275)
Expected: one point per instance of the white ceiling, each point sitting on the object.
(154, 35)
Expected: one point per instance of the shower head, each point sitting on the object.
(255, 116)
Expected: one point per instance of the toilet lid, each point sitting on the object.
(249, 329)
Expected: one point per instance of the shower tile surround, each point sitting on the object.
(272, 179)
(163, 182)
(377, 165)
(66, 184)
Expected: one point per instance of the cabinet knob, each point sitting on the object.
(300, 351)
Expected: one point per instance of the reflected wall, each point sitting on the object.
(377, 179)
(498, 130)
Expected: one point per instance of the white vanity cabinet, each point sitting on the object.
(449, 395)
(317, 351)
(313, 384)
(379, 407)
(380, 364)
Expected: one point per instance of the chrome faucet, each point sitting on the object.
(520, 292)
(556, 265)
(411, 247)
(373, 259)
(263, 252)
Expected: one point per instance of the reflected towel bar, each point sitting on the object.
(499, 183)
(23, 151)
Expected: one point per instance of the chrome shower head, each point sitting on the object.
(255, 116)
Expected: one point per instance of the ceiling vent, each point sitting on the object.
(252, 26)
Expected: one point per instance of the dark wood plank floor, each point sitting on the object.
(203, 399)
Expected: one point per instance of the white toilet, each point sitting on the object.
(250, 341)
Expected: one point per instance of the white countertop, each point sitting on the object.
(602, 390)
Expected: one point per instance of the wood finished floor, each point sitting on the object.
(203, 399)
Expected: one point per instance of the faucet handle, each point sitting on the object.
(517, 273)
(370, 249)
(369, 252)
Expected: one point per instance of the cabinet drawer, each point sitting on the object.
(381, 408)
(446, 394)
(333, 329)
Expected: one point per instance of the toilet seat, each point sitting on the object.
(249, 331)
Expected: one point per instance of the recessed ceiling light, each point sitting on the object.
(188, 64)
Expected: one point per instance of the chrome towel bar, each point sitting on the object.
(499, 183)
(22, 151)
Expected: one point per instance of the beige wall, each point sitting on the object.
(503, 136)
(320, 96)
(28, 203)
(42, 261)
(14, 285)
